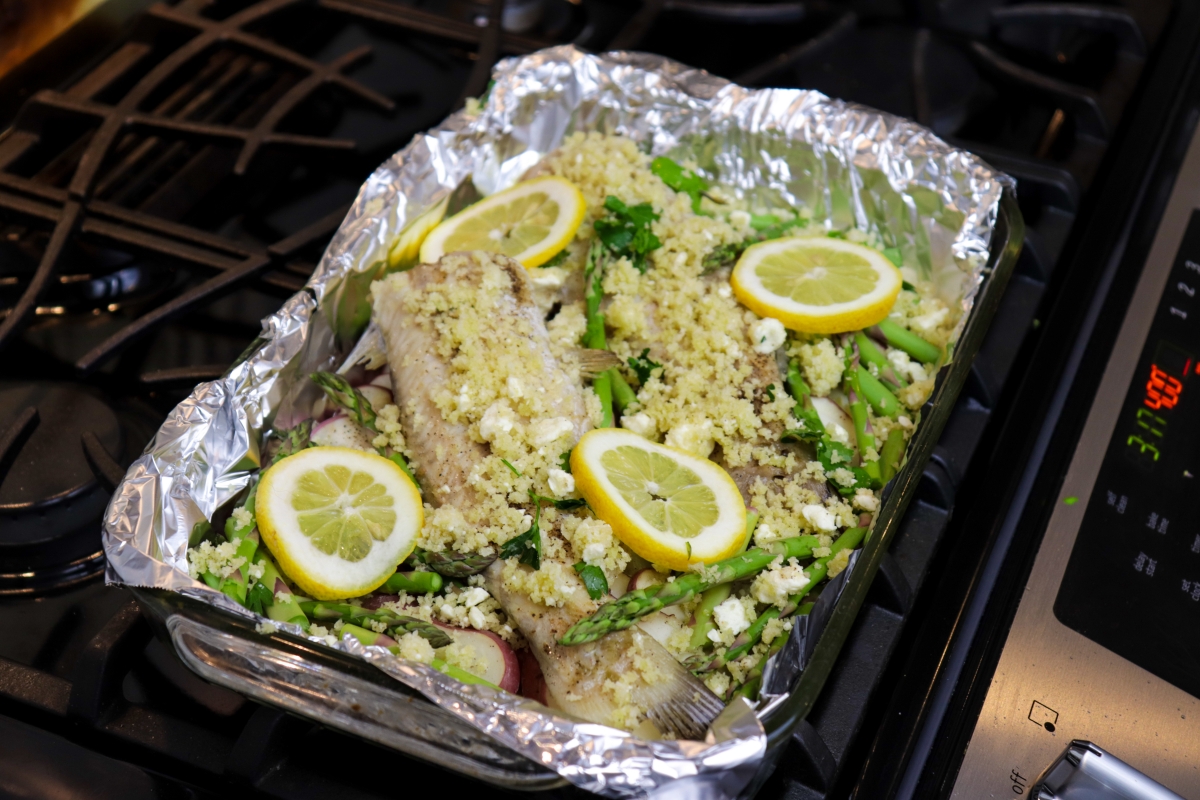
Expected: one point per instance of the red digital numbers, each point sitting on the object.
(1162, 391)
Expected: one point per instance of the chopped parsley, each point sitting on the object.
(770, 393)
(527, 548)
(259, 598)
(642, 366)
(593, 580)
(626, 231)
(557, 259)
(565, 461)
(680, 179)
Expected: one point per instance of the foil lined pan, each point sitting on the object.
(852, 167)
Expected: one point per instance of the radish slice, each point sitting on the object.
(324, 423)
(619, 585)
(644, 579)
(377, 396)
(833, 417)
(375, 601)
(341, 431)
(383, 379)
(533, 682)
(501, 665)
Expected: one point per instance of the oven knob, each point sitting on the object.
(1087, 772)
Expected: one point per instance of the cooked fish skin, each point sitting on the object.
(575, 676)
(418, 372)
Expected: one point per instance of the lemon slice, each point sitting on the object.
(338, 521)
(406, 250)
(670, 507)
(531, 222)
(817, 284)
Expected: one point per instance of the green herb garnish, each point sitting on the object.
(626, 231)
(593, 580)
(680, 179)
(642, 366)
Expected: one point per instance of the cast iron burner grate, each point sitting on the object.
(157, 206)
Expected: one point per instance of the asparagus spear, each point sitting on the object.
(711, 598)
(909, 342)
(453, 564)
(862, 425)
(630, 607)
(289, 611)
(369, 638)
(871, 354)
(413, 583)
(816, 572)
(716, 595)
(290, 441)
(878, 395)
(753, 683)
(396, 623)
(811, 428)
(594, 337)
(893, 450)
(339, 390)
(623, 394)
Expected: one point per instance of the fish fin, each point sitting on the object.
(593, 362)
(687, 717)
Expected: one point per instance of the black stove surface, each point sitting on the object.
(156, 205)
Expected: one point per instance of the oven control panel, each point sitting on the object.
(1132, 583)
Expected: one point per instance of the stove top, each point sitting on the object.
(157, 203)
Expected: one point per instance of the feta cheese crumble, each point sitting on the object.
(768, 335)
(694, 438)
(866, 500)
(731, 616)
(775, 585)
(545, 431)
(498, 419)
(639, 423)
(562, 483)
(819, 517)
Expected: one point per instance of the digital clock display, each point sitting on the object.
(1132, 583)
(1163, 390)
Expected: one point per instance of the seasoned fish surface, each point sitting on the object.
(620, 678)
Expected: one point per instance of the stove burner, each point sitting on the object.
(50, 498)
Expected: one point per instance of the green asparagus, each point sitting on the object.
(875, 393)
(816, 572)
(893, 451)
(753, 683)
(632, 606)
(397, 623)
(288, 611)
(413, 583)
(452, 564)
(909, 342)
(709, 600)
(594, 337)
(339, 390)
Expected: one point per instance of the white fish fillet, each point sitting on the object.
(582, 680)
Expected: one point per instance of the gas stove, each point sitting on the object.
(165, 187)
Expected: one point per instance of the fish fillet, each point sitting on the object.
(598, 682)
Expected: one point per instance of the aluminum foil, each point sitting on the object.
(852, 167)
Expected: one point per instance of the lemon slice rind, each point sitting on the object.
(405, 252)
(719, 540)
(324, 576)
(571, 208)
(862, 311)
